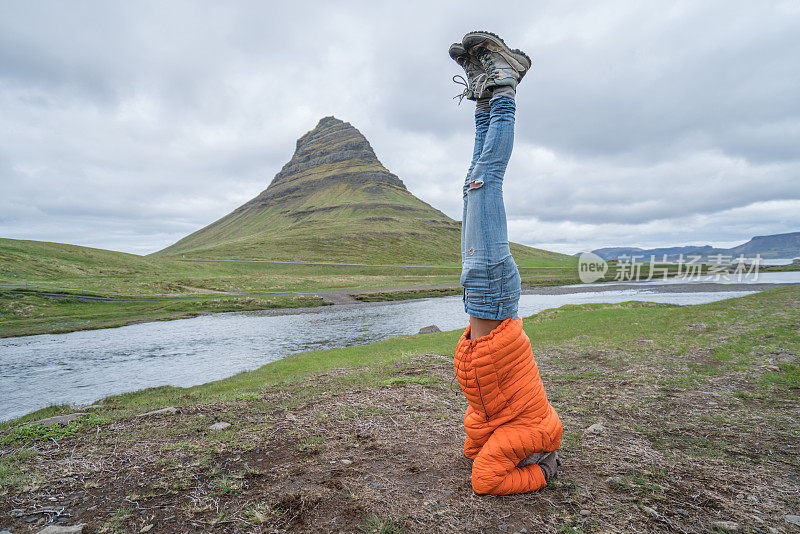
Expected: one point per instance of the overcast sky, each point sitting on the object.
(127, 125)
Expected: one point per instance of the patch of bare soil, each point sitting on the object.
(206, 290)
(343, 452)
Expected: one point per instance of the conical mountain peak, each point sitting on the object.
(334, 151)
(331, 130)
(333, 194)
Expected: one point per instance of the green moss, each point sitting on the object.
(13, 469)
(33, 433)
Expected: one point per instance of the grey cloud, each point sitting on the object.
(150, 120)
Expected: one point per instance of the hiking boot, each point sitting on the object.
(503, 66)
(532, 458)
(475, 74)
(549, 464)
(548, 461)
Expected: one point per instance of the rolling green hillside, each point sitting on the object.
(38, 264)
(335, 202)
(44, 266)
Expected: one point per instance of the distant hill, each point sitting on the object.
(335, 202)
(20, 257)
(768, 246)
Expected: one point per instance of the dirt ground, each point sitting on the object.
(380, 450)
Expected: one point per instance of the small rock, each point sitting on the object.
(503, 527)
(793, 519)
(374, 485)
(585, 513)
(771, 368)
(523, 531)
(651, 512)
(146, 528)
(429, 329)
(345, 462)
(60, 529)
(740, 496)
(169, 410)
(447, 492)
(597, 427)
(726, 526)
(222, 425)
(58, 419)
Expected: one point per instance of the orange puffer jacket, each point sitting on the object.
(508, 416)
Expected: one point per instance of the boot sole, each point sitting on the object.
(516, 58)
(456, 51)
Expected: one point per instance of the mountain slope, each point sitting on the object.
(771, 246)
(768, 246)
(335, 202)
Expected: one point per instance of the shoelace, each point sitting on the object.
(465, 92)
(492, 70)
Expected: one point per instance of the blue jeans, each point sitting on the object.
(488, 273)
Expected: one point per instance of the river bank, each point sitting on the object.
(369, 438)
(25, 313)
(31, 312)
(83, 366)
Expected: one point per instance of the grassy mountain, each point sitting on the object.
(335, 202)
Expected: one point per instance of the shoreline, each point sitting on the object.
(698, 287)
(297, 302)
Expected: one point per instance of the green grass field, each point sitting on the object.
(216, 286)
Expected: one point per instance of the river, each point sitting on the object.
(82, 367)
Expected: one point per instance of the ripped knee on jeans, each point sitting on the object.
(474, 184)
